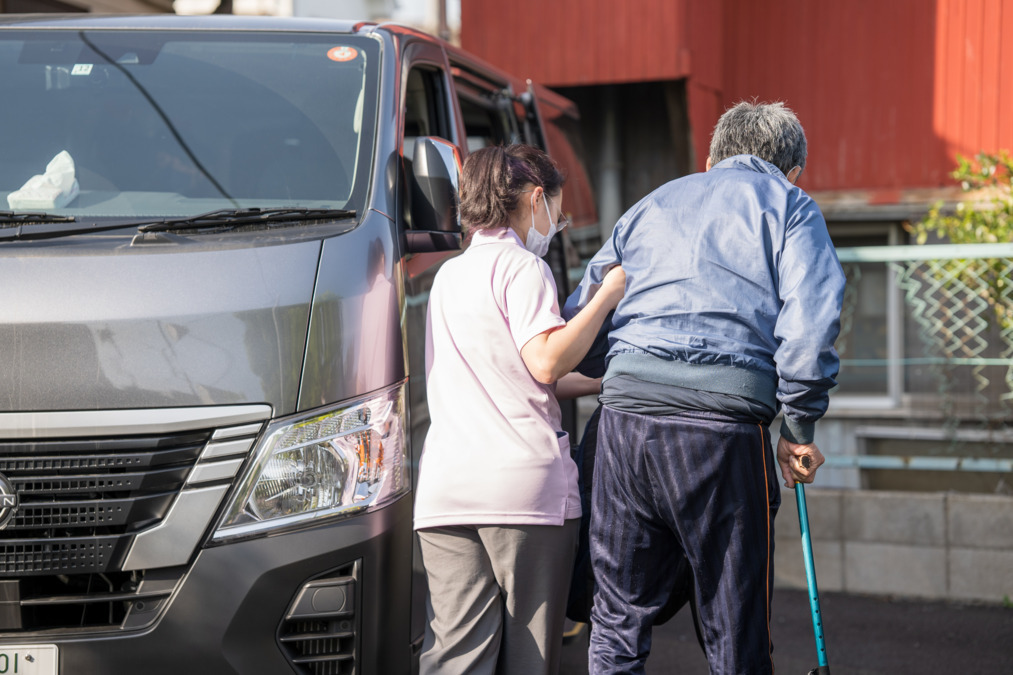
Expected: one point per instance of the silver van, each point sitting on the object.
(217, 235)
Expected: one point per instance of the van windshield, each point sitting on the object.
(144, 124)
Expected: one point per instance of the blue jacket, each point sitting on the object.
(732, 286)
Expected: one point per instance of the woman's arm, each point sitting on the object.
(556, 352)
(575, 385)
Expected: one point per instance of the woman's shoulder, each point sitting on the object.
(502, 250)
(501, 260)
(517, 261)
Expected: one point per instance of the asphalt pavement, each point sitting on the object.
(864, 636)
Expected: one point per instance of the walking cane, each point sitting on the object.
(810, 577)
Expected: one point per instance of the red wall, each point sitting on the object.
(574, 42)
(888, 91)
(860, 76)
(974, 83)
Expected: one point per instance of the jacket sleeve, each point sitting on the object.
(811, 289)
(607, 257)
(593, 363)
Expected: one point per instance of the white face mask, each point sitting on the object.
(537, 242)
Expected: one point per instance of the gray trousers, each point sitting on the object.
(496, 602)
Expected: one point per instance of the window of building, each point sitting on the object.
(872, 320)
(918, 334)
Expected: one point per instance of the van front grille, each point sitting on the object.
(319, 636)
(70, 603)
(107, 513)
(67, 555)
(321, 647)
(91, 536)
(81, 501)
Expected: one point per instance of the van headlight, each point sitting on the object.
(346, 460)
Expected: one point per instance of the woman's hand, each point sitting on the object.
(575, 385)
(554, 353)
(613, 286)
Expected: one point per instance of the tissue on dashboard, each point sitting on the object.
(53, 189)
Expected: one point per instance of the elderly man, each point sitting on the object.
(732, 306)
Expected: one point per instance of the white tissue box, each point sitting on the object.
(52, 190)
(40, 193)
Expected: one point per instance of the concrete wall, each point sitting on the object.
(942, 546)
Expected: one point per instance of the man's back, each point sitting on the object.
(732, 272)
(701, 255)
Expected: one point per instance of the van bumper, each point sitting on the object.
(225, 616)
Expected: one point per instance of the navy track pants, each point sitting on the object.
(665, 484)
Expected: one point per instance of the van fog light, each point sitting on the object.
(337, 462)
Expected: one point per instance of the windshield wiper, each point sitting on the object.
(26, 225)
(34, 230)
(19, 217)
(229, 218)
(32, 226)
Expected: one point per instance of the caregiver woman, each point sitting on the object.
(497, 508)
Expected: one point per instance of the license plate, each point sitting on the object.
(28, 659)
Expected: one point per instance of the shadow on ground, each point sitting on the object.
(864, 636)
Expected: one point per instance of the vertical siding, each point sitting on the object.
(991, 36)
(705, 84)
(888, 92)
(953, 106)
(574, 42)
(859, 75)
(1004, 78)
(974, 64)
(975, 46)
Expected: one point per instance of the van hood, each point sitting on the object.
(104, 325)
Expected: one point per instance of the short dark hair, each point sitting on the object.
(493, 178)
(770, 131)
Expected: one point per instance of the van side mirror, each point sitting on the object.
(435, 201)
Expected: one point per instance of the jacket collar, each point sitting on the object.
(750, 163)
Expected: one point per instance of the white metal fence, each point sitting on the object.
(929, 330)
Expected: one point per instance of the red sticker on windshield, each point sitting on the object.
(342, 53)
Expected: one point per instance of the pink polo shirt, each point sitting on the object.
(492, 455)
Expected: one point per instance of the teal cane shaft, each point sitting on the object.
(810, 574)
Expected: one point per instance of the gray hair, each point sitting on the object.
(769, 131)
